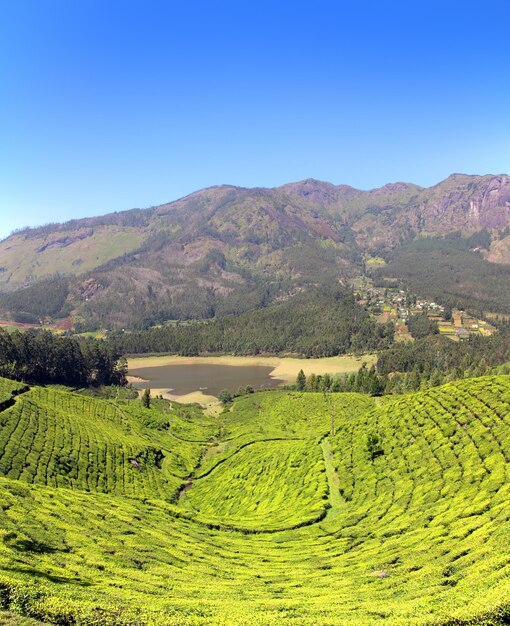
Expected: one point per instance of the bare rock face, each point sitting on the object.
(398, 213)
(492, 205)
(469, 205)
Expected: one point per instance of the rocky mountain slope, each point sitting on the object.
(224, 250)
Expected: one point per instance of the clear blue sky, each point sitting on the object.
(107, 105)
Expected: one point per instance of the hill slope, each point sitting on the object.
(315, 323)
(225, 250)
(281, 521)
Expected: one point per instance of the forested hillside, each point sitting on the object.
(314, 323)
(452, 271)
(422, 364)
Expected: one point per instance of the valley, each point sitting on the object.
(254, 314)
(288, 518)
(315, 449)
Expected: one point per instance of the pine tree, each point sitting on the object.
(327, 381)
(301, 380)
(146, 399)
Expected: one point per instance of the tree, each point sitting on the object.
(375, 385)
(225, 396)
(146, 399)
(327, 381)
(421, 326)
(301, 380)
(312, 382)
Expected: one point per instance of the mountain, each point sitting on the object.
(289, 508)
(225, 250)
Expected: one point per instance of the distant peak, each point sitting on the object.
(310, 182)
(398, 186)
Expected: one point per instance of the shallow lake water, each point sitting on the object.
(182, 378)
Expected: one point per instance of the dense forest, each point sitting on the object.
(46, 298)
(421, 325)
(43, 357)
(436, 352)
(451, 271)
(315, 323)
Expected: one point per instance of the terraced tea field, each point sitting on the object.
(276, 512)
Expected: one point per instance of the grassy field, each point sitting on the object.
(35, 257)
(275, 512)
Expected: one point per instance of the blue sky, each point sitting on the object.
(107, 105)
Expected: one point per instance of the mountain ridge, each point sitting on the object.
(226, 249)
(391, 186)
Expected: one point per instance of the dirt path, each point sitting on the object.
(188, 483)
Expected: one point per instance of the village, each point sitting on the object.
(396, 304)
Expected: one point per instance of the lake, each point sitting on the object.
(200, 379)
(210, 379)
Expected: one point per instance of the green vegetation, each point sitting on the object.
(365, 380)
(301, 380)
(447, 271)
(420, 326)
(9, 389)
(43, 299)
(43, 357)
(427, 362)
(67, 439)
(374, 446)
(317, 323)
(293, 508)
(69, 249)
(11, 619)
(146, 398)
(374, 262)
(434, 360)
(296, 495)
(225, 396)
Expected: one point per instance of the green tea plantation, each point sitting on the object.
(289, 508)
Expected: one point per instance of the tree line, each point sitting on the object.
(365, 380)
(43, 357)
